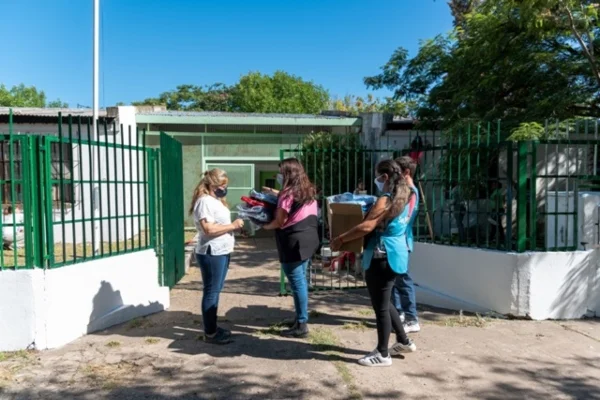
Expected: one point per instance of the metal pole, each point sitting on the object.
(95, 137)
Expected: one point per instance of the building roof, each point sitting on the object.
(225, 118)
(51, 112)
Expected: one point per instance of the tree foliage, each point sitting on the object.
(26, 96)
(255, 92)
(215, 97)
(339, 171)
(357, 104)
(519, 61)
(279, 93)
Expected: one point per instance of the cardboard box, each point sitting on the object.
(343, 217)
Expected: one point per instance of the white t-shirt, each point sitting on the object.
(212, 210)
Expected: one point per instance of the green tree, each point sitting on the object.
(357, 104)
(519, 61)
(339, 171)
(26, 96)
(279, 93)
(215, 97)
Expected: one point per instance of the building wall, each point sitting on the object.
(44, 309)
(542, 285)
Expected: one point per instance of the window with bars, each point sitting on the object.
(11, 178)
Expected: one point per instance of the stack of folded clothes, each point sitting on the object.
(258, 208)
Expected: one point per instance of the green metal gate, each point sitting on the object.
(338, 165)
(171, 210)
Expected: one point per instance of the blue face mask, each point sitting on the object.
(220, 193)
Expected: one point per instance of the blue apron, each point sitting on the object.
(396, 238)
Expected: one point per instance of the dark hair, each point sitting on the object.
(406, 163)
(399, 189)
(296, 182)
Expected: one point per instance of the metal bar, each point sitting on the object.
(49, 201)
(116, 183)
(131, 192)
(137, 187)
(533, 203)
(146, 183)
(99, 183)
(62, 185)
(108, 196)
(124, 190)
(509, 195)
(72, 173)
(81, 186)
(522, 197)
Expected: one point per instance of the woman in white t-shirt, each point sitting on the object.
(214, 247)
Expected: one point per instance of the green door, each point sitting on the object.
(269, 179)
(171, 194)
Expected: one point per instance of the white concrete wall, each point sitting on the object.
(545, 285)
(48, 308)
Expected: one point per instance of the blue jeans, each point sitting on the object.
(296, 274)
(403, 297)
(214, 270)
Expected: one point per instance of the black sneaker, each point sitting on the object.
(288, 323)
(222, 336)
(298, 330)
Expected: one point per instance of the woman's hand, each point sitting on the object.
(336, 244)
(238, 224)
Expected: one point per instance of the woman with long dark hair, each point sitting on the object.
(214, 247)
(296, 232)
(385, 257)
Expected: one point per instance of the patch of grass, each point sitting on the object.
(314, 314)
(322, 338)
(463, 321)
(366, 312)
(113, 344)
(272, 330)
(356, 326)
(140, 323)
(6, 356)
(108, 376)
(325, 340)
(152, 340)
(16, 258)
(348, 379)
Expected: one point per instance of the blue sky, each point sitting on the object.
(150, 46)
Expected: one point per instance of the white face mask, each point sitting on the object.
(280, 179)
(379, 185)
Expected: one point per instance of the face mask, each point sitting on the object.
(220, 193)
(280, 179)
(379, 185)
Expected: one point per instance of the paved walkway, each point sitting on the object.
(160, 357)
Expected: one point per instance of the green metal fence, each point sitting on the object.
(74, 196)
(478, 188)
(485, 191)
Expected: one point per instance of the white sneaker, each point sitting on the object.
(374, 359)
(402, 317)
(412, 327)
(400, 348)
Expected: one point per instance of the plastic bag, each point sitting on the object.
(365, 201)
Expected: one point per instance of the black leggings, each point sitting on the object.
(380, 281)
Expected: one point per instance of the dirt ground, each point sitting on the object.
(161, 357)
